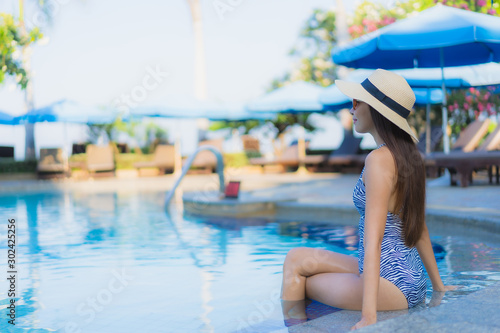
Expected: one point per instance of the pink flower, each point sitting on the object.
(491, 11)
(468, 98)
(481, 2)
(466, 106)
(480, 106)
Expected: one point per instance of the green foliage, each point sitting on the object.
(235, 160)
(11, 43)
(118, 126)
(313, 51)
(284, 120)
(126, 161)
(247, 124)
(11, 166)
(370, 16)
(122, 161)
(466, 105)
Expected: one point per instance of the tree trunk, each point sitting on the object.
(29, 150)
(199, 63)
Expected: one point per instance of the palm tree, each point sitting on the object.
(199, 62)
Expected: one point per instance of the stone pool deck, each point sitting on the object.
(328, 197)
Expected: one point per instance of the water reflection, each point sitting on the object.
(345, 237)
(298, 312)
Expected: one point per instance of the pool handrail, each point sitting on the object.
(185, 169)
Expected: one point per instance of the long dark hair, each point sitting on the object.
(410, 184)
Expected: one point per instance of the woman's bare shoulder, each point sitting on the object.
(380, 159)
(380, 167)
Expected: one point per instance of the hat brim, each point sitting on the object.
(356, 91)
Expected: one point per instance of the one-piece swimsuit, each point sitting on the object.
(399, 263)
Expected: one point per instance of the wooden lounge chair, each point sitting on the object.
(78, 148)
(163, 159)
(206, 160)
(52, 164)
(432, 170)
(492, 141)
(471, 136)
(436, 138)
(462, 161)
(347, 155)
(250, 144)
(6, 152)
(100, 160)
(289, 159)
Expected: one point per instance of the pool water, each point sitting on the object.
(116, 262)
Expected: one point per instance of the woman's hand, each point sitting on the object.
(364, 322)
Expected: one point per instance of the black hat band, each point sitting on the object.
(384, 99)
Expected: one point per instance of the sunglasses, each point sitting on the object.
(355, 103)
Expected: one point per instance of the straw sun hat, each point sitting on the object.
(386, 92)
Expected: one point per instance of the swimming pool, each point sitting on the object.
(116, 262)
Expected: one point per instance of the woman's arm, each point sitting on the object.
(424, 248)
(379, 179)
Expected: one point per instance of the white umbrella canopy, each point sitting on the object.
(296, 97)
(188, 107)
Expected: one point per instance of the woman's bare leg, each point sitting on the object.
(303, 262)
(345, 291)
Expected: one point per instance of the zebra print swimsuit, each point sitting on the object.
(399, 264)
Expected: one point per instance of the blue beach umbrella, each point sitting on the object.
(67, 111)
(440, 36)
(7, 119)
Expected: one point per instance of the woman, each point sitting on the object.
(390, 197)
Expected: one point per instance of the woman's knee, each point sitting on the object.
(294, 257)
(302, 260)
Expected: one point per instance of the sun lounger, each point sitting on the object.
(347, 155)
(250, 144)
(206, 160)
(492, 141)
(52, 164)
(163, 159)
(100, 160)
(471, 136)
(289, 159)
(6, 152)
(463, 164)
(461, 161)
(436, 138)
